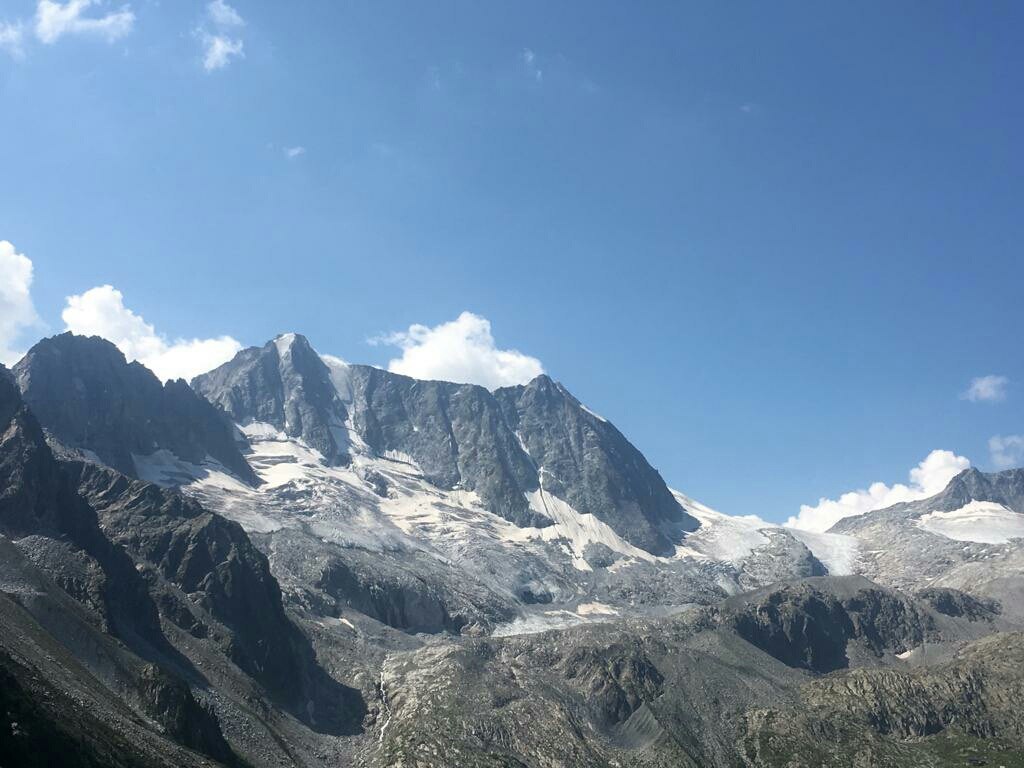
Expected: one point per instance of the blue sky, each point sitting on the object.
(774, 243)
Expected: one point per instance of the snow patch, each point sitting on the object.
(720, 536)
(401, 457)
(592, 413)
(837, 552)
(596, 609)
(261, 430)
(541, 622)
(284, 344)
(578, 529)
(735, 538)
(545, 621)
(341, 377)
(164, 468)
(984, 522)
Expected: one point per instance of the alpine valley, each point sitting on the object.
(296, 561)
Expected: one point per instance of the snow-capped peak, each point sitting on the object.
(284, 343)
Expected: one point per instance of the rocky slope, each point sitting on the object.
(703, 688)
(961, 712)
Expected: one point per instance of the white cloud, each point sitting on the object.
(55, 20)
(926, 479)
(16, 309)
(224, 15)
(986, 389)
(463, 351)
(101, 311)
(529, 59)
(218, 50)
(219, 47)
(293, 152)
(1006, 451)
(12, 37)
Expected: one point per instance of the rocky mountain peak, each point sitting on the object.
(90, 398)
(283, 383)
(1006, 488)
(587, 462)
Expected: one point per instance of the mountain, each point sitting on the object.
(969, 537)
(296, 561)
(504, 446)
(284, 384)
(369, 490)
(89, 397)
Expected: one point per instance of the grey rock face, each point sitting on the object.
(516, 440)
(456, 433)
(810, 623)
(184, 720)
(407, 604)
(691, 690)
(587, 462)
(89, 397)
(1006, 488)
(953, 602)
(232, 598)
(204, 556)
(962, 712)
(286, 384)
(407, 590)
(44, 724)
(58, 530)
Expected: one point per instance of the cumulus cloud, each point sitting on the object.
(101, 311)
(1006, 451)
(12, 36)
(55, 20)
(462, 351)
(986, 389)
(218, 50)
(293, 152)
(17, 311)
(926, 479)
(219, 44)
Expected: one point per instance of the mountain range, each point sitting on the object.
(297, 561)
